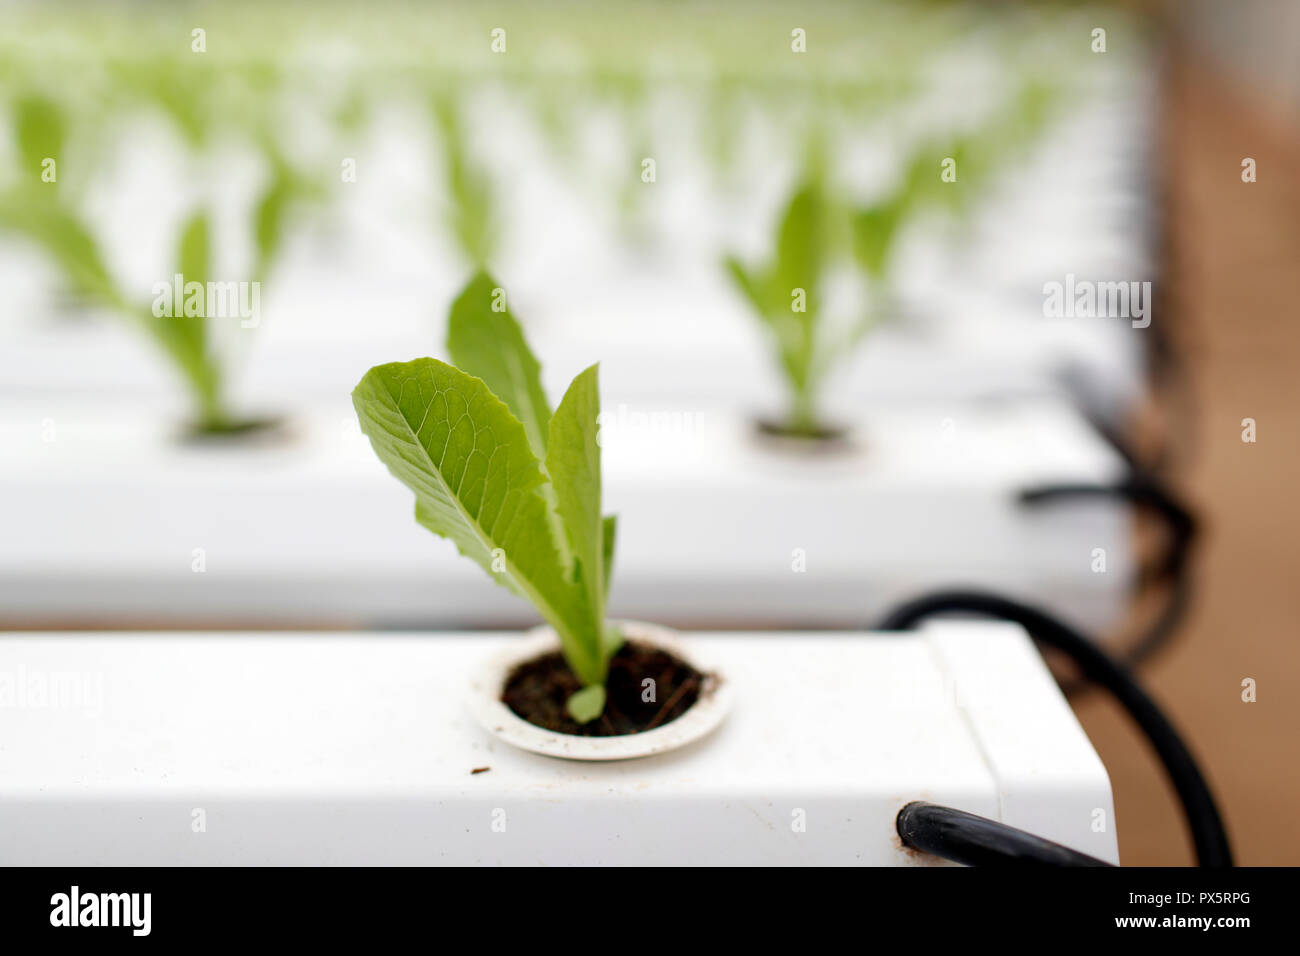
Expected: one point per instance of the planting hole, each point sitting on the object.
(647, 688)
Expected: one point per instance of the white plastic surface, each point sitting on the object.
(358, 749)
(107, 520)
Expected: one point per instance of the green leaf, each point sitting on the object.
(42, 219)
(921, 181)
(613, 637)
(874, 230)
(610, 534)
(799, 249)
(269, 218)
(194, 251)
(185, 337)
(471, 217)
(586, 705)
(195, 264)
(573, 462)
(748, 285)
(491, 345)
(183, 91)
(613, 640)
(444, 435)
(40, 131)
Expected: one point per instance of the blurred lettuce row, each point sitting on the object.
(253, 74)
(61, 109)
(821, 226)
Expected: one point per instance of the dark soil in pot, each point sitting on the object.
(781, 436)
(238, 431)
(536, 690)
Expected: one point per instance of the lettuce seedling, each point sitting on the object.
(786, 293)
(515, 486)
(786, 297)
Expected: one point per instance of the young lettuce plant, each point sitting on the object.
(515, 486)
(786, 296)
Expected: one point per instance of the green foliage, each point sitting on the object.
(874, 230)
(286, 190)
(980, 154)
(786, 296)
(185, 338)
(35, 208)
(37, 216)
(270, 214)
(484, 338)
(47, 215)
(587, 704)
(573, 464)
(472, 216)
(40, 131)
(516, 488)
(40, 212)
(807, 241)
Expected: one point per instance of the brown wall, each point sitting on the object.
(1234, 268)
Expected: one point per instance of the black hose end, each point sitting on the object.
(1203, 818)
(978, 841)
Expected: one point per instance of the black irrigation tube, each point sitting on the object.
(1143, 491)
(1167, 375)
(1204, 821)
(978, 841)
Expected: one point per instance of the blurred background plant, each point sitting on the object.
(471, 215)
(45, 203)
(669, 137)
(786, 295)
